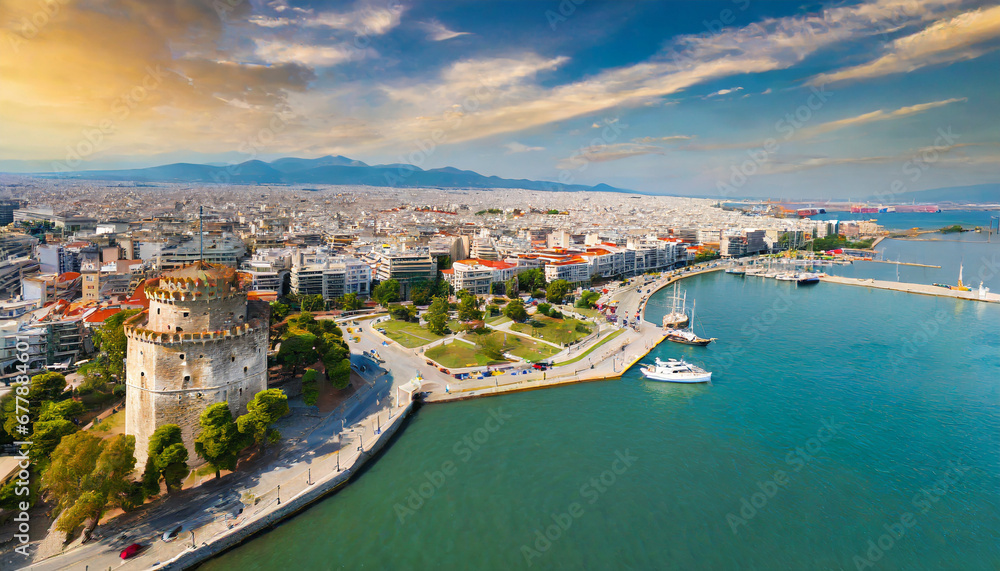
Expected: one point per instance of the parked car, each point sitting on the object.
(173, 533)
(130, 551)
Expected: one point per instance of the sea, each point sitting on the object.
(844, 429)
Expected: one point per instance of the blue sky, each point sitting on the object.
(728, 98)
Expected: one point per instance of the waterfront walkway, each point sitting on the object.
(921, 289)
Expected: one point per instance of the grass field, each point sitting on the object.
(589, 312)
(525, 348)
(459, 354)
(498, 320)
(114, 421)
(408, 334)
(591, 350)
(561, 331)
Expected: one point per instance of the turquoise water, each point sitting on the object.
(927, 220)
(911, 384)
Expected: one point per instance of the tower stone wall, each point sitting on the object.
(198, 344)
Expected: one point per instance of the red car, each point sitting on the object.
(130, 551)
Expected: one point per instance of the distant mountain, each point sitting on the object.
(324, 170)
(973, 194)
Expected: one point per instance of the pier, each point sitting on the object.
(921, 289)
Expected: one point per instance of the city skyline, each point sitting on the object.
(734, 98)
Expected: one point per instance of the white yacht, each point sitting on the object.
(674, 371)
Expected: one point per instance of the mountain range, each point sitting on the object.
(324, 170)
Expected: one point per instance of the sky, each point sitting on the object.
(712, 98)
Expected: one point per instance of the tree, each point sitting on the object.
(386, 292)
(114, 469)
(437, 316)
(219, 443)
(705, 255)
(510, 287)
(46, 437)
(337, 362)
(313, 303)
(279, 311)
(421, 291)
(468, 307)
(491, 346)
(516, 311)
(556, 291)
(110, 340)
(72, 461)
(264, 410)
(167, 459)
(544, 308)
(351, 302)
(62, 410)
(310, 392)
(41, 388)
(403, 312)
(298, 351)
(588, 299)
(532, 279)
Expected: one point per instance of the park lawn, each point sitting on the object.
(114, 421)
(607, 338)
(458, 354)
(560, 331)
(408, 334)
(589, 312)
(498, 320)
(523, 347)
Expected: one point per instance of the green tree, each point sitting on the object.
(437, 316)
(351, 302)
(310, 392)
(313, 303)
(403, 312)
(41, 388)
(219, 443)
(556, 291)
(337, 362)
(510, 287)
(298, 351)
(62, 410)
(443, 262)
(110, 340)
(530, 280)
(279, 311)
(491, 346)
(705, 255)
(167, 459)
(107, 485)
(516, 311)
(46, 437)
(468, 307)
(588, 299)
(264, 410)
(73, 460)
(421, 291)
(386, 292)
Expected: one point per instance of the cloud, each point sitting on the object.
(607, 153)
(277, 51)
(943, 41)
(668, 139)
(515, 147)
(439, 33)
(943, 154)
(368, 18)
(724, 92)
(875, 116)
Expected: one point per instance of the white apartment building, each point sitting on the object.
(319, 271)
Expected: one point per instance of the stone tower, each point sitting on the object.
(199, 343)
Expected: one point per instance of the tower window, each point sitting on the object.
(245, 369)
(142, 374)
(157, 310)
(232, 359)
(187, 378)
(186, 314)
(182, 356)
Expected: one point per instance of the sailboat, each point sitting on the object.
(677, 317)
(687, 336)
(961, 286)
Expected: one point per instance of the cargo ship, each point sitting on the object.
(924, 208)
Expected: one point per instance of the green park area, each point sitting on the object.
(523, 347)
(554, 330)
(407, 333)
(459, 354)
(587, 353)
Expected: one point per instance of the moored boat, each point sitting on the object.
(674, 371)
(808, 279)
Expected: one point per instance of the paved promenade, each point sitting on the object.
(921, 289)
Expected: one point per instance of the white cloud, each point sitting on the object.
(944, 41)
(367, 19)
(876, 116)
(668, 139)
(724, 92)
(515, 147)
(607, 153)
(276, 51)
(439, 32)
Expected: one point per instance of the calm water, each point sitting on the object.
(911, 384)
(907, 220)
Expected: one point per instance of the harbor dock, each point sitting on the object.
(921, 289)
